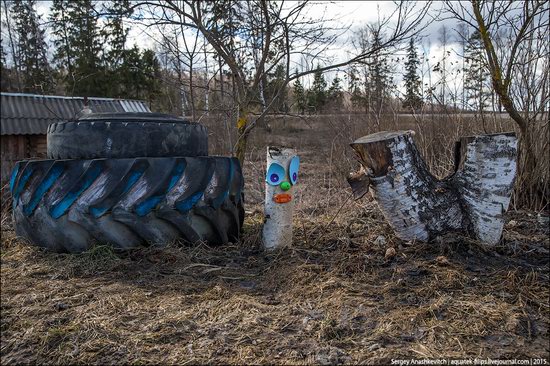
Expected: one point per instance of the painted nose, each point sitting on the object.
(285, 186)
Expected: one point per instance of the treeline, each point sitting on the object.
(372, 84)
(88, 55)
(320, 97)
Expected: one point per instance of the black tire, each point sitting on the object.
(67, 205)
(126, 135)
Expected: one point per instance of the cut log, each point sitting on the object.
(419, 206)
(485, 179)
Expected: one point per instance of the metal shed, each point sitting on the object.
(25, 119)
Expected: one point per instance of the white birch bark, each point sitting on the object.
(277, 230)
(419, 206)
(485, 182)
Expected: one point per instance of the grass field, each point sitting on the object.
(333, 297)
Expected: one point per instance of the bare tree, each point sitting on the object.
(442, 65)
(183, 49)
(7, 22)
(278, 33)
(462, 33)
(518, 62)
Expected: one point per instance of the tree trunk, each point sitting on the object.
(529, 184)
(242, 135)
(419, 206)
(192, 90)
(12, 46)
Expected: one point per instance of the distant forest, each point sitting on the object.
(87, 53)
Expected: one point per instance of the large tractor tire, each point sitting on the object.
(126, 135)
(68, 205)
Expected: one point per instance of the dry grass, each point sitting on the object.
(331, 298)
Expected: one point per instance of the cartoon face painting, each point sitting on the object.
(283, 178)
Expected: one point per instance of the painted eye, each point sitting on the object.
(293, 169)
(275, 174)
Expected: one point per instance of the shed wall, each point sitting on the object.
(19, 147)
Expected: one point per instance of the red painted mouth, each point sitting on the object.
(282, 198)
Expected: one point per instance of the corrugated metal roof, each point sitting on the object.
(29, 114)
(134, 106)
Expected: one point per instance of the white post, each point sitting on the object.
(281, 176)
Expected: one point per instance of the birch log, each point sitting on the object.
(419, 206)
(277, 230)
(485, 179)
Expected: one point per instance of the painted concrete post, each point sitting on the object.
(281, 176)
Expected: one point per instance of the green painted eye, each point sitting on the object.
(285, 186)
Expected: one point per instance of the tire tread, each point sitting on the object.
(60, 215)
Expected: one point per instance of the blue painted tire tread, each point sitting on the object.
(69, 205)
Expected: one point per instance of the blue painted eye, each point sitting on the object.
(293, 169)
(275, 174)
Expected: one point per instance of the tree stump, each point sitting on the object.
(419, 206)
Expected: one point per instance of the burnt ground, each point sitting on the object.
(333, 297)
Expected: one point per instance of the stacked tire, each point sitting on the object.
(128, 180)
